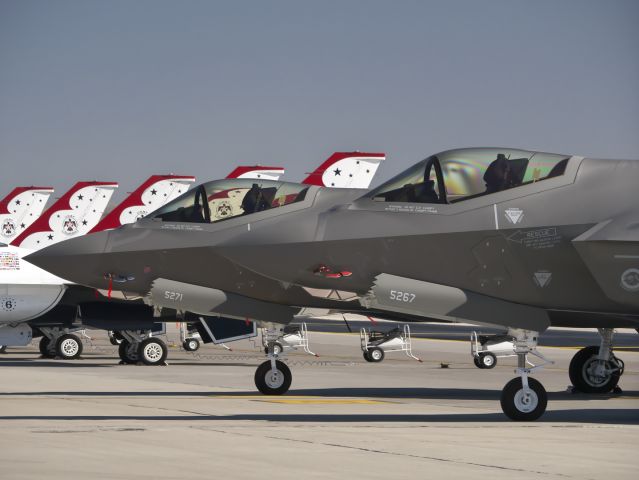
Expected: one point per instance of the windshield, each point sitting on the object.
(457, 175)
(223, 199)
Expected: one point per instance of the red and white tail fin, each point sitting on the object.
(72, 215)
(346, 170)
(148, 197)
(265, 173)
(20, 209)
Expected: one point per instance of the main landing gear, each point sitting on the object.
(141, 347)
(524, 398)
(595, 369)
(273, 377)
(59, 343)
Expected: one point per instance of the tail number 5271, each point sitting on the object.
(175, 296)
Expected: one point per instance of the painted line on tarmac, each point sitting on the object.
(322, 401)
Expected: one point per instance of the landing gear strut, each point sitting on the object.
(595, 369)
(273, 377)
(524, 398)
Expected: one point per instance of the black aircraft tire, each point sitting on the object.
(367, 357)
(478, 363)
(583, 361)
(125, 354)
(488, 360)
(191, 345)
(152, 351)
(376, 354)
(44, 348)
(3, 348)
(520, 408)
(68, 347)
(269, 384)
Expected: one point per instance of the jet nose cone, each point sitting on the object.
(76, 259)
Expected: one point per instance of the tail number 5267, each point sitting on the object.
(400, 296)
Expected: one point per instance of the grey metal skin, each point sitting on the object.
(461, 261)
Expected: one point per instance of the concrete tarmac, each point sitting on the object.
(201, 417)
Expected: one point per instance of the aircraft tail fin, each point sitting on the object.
(20, 209)
(257, 171)
(346, 170)
(157, 191)
(72, 215)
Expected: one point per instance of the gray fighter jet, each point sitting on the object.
(492, 236)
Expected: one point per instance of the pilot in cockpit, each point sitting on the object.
(254, 200)
(503, 173)
(497, 174)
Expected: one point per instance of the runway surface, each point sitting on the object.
(200, 417)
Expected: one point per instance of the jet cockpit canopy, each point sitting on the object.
(461, 174)
(223, 199)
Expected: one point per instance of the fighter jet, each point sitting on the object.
(491, 236)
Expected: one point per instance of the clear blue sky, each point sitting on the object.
(117, 90)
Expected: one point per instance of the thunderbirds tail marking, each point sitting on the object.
(20, 209)
(264, 173)
(72, 215)
(148, 197)
(346, 170)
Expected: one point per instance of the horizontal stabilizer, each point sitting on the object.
(20, 209)
(72, 215)
(148, 197)
(346, 170)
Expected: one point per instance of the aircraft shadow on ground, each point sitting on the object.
(109, 362)
(372, 393)
(588, 416)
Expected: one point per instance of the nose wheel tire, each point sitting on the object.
(590, 375)
(191, 345)
(273, 382)
(128, 352)
(521, 405)
(68, 347)
(277, 349)
(152, 351)
(487, 360)
(375, 354)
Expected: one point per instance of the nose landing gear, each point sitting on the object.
(273, 377)
(524, 398)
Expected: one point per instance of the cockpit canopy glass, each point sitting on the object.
(457, 175)
(223, 199)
